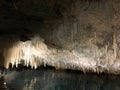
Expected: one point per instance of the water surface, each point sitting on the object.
(60, 80)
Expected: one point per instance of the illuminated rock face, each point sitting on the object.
(84, 36)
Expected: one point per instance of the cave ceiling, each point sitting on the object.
(21, 16)
(24, 17)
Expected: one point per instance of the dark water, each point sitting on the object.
(60, 80)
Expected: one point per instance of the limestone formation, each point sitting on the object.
(66, 34)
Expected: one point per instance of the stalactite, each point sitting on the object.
(114, 46)
(95, 41)
(106, 53)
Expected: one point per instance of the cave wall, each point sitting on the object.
(81, 34)
(90, 28)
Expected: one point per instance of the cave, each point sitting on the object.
(63, 35)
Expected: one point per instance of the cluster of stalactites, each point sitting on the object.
(30, 52)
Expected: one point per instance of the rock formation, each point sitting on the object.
(67, 34)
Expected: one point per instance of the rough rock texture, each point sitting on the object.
(73, 34)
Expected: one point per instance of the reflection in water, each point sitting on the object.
(60, 80)
(31, 85)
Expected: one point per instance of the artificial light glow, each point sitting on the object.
(28, 51)
(4, 83)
